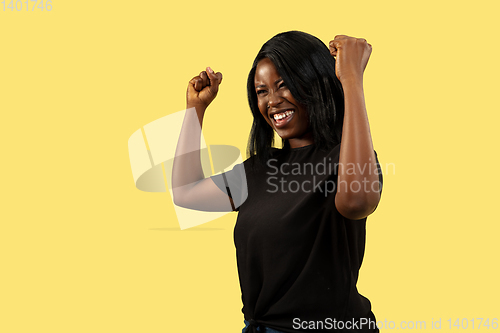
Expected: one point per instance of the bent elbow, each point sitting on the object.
(356, 207)
(178, 198)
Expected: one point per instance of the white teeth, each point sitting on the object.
(283, 114)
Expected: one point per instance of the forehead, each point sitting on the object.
(266, 72)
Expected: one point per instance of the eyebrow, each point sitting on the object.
(275, 82)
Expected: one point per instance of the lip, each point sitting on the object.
(283, 124)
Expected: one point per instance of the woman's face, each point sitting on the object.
(278, 107)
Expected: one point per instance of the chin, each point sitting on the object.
(285, 136)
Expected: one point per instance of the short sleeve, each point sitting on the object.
(379, 170)
(234, 184)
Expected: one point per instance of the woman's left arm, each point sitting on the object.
(358, 192)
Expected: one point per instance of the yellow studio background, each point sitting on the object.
(82, 250)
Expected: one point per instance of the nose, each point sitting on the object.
(274, 99)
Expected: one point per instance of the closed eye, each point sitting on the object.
(260, 91)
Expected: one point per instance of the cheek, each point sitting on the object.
(262, 108)
(263, 115)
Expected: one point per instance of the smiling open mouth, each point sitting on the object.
(282, 118)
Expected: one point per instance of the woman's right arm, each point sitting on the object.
(190, 188)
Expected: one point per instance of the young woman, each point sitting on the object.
(300, 232)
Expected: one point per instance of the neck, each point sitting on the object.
(305, 140)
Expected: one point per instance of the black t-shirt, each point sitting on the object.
(298, 257)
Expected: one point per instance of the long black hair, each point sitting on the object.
(308, 69)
